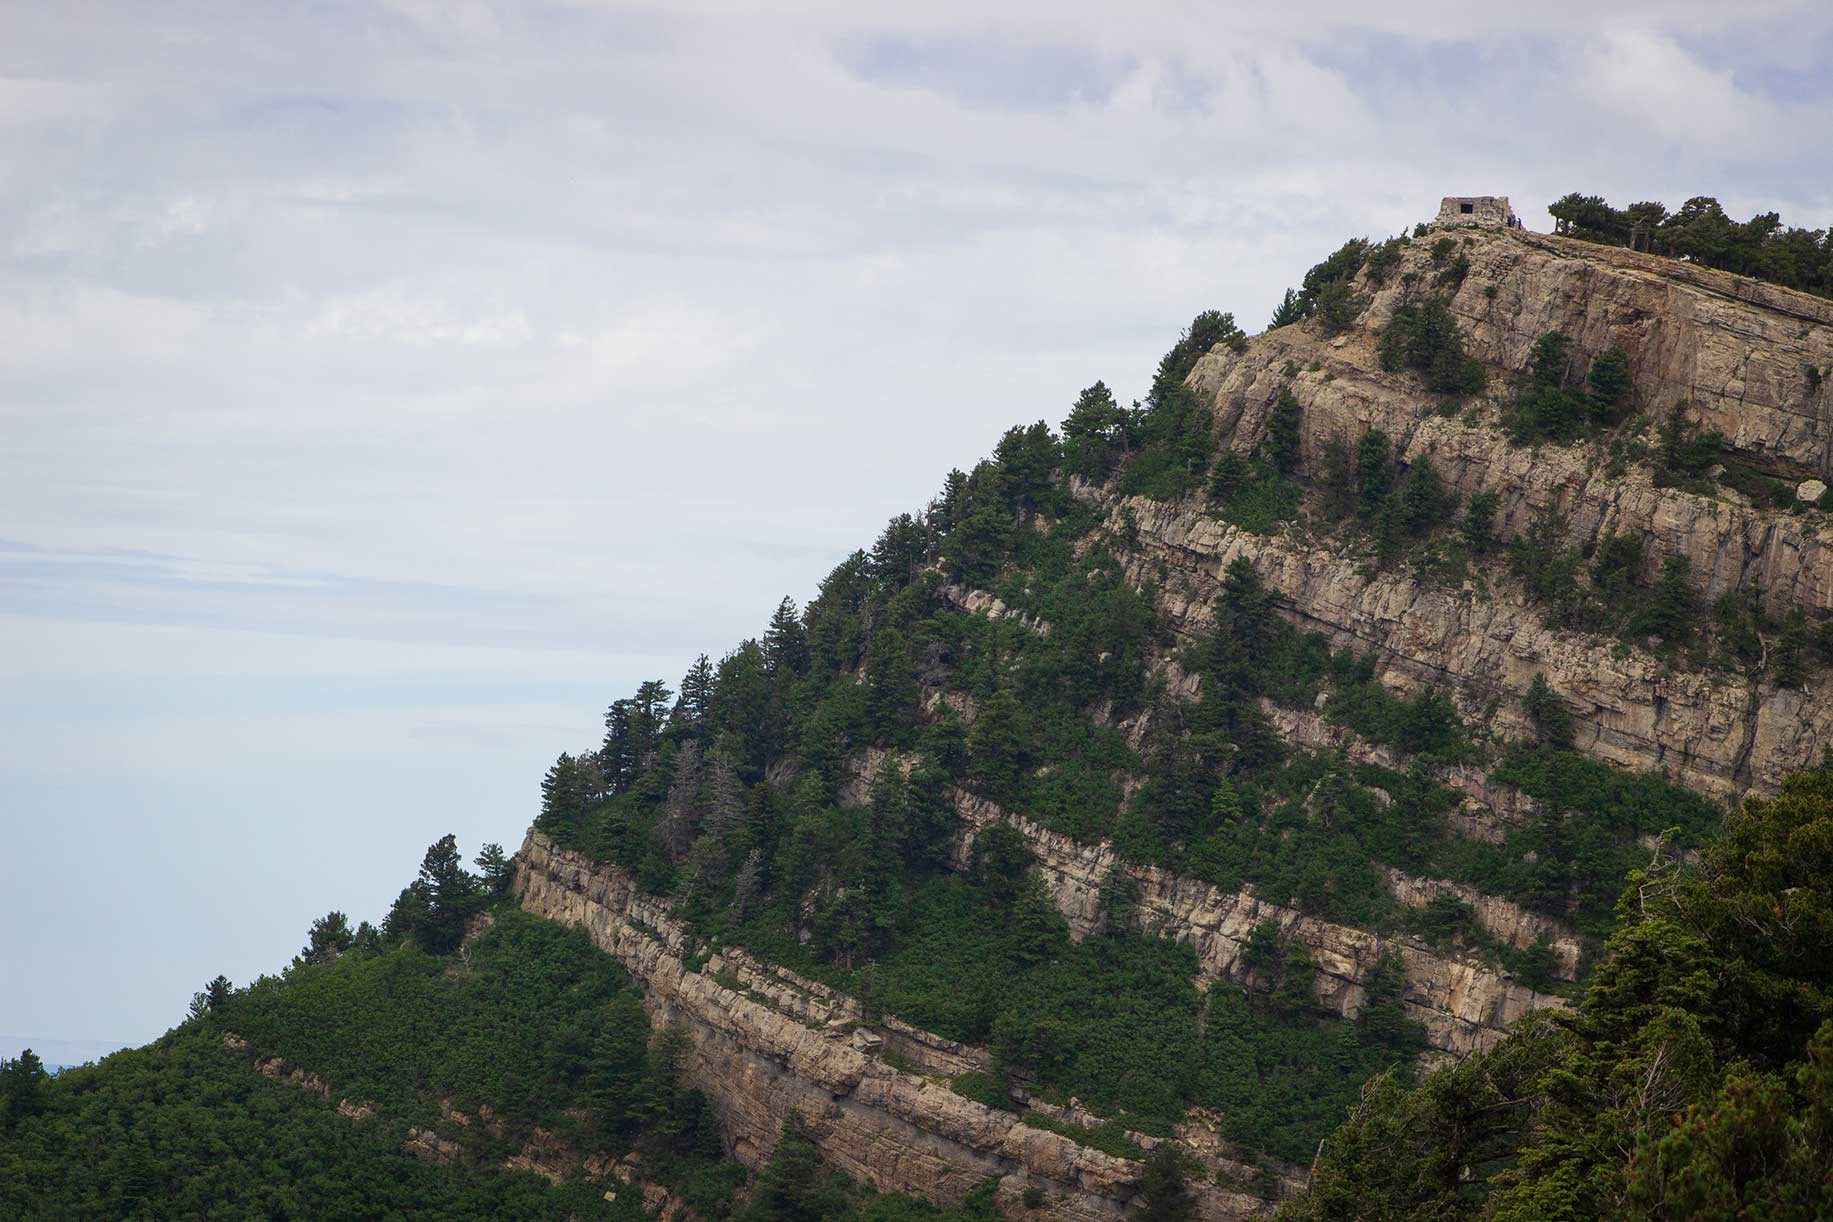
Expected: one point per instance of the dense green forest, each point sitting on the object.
(1694, 1080)
(530, 1023)
(1701, 232)
(524, 1027)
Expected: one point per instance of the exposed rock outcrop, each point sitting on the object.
(1504, 919)
(1462, 1005)
(761, 1053)
(1487, 811)
(768, 1041)
(1739, 352)
(1713, 732)
(428, 1146)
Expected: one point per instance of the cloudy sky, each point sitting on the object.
(386, 387)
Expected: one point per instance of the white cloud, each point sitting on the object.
(1657, 88)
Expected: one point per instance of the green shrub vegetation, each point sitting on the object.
(185, 1128)
(1694, 1080)
(1558, 401)
(1423, 337)
(1618, 590)
(531, 1023)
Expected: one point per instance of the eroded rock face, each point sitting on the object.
(1737, 351)
(1713, 732)
(1487, 811)
(1505, 919)
(766, 1042)
(1464, 1006)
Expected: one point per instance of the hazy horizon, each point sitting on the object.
(391, 386)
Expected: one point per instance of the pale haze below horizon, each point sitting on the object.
(387, 387)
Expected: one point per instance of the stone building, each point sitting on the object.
(1486, 211)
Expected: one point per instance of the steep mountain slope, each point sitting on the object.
(1342, 682)
(1168, 790)
(1744, 358)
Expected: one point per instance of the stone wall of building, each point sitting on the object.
(1488, 211)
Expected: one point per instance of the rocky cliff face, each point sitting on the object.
(1738, 352)
(1462, 1005)
(767, 1042)
(1749, 361)
(1716, 733)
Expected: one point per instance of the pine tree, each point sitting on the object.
(747, 717)
(1790, 660)
(1026, 460)
(748, 883)
(892, 693)
(725, 798)
(410, 912)
(1001, 863)
(1338, 306)
(1551, 719)
(1094, 433)
(329, 937)
(900, 553)
(568, 788)
(1164, 1195)
(705, 869)
(1245, 608)
(613, 1086)
(947, 512)
(1228, 476)
(1424, 500)
(1374, 473)
(617, 755)
(791, 1186)
(1291, 309)
(1339, 481)
(696, 694)
(1297, 991)
(1610, 383)
(1668, 613)
(1479, 525)
(996, 746)
(23, 1087)
(648, 715)
(1283, 432)
(680, 819)
(976, 548)
(786, 643)
(495, 869)
(451, 896)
